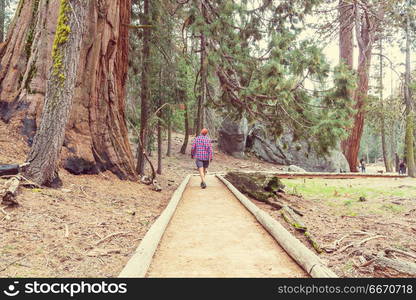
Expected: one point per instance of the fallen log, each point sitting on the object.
(9, 170)
(257, 185)
(9, 192)
(386, 267)
(273, 203)
(292, 218)
(260, 187)
(139, 263)
(308, 260)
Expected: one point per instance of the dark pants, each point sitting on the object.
(202, 163)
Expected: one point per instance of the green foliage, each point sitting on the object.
(265, 70)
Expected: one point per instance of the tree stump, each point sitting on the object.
(9, 192)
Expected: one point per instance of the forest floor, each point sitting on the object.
(91, 226)
(333, 212)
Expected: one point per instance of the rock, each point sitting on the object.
(232, 137)
(362, 199)
(293, 168)
(287, 151)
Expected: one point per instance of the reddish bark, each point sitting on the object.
(96, 131)
(366, 26)
(345, 32)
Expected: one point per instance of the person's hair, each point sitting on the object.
(204, 131)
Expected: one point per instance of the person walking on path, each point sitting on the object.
(202, 152)
(402, 168)
(362, 163)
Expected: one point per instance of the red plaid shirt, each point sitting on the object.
(202, 148)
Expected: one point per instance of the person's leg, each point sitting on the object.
(205, 165)
(202, 174)
(200, 166)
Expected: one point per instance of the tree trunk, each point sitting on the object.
(365, 27)
(159, 127)
(96, 132)
(145, 90)
(44, 154)
(397, 162)
(409, 138)
(186, 139)
(386, 157)
(169, 148)
(2, 18)
(345, 9)
(345, 32)
(200, 120)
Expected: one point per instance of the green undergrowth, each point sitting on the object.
(344, 195)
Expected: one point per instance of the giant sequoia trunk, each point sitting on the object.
(2, 17)
(96, 133)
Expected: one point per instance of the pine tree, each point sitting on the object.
(269, 85)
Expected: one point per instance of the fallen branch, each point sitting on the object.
(282, 196)
(386, 267)
(29, 183)
(370, 238)
(102, 252)
(6, 215)
(110, 236)
(20, 230)
(311, 239)
(293, 219)
(389, 250)
(336, 243)
(14, 261)
(367, 263)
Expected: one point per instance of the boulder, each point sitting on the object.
(287, 151)
(232, 137)
(293, 168)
